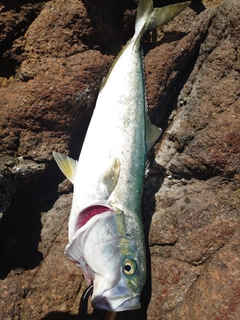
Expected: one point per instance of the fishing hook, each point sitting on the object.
(83, 306)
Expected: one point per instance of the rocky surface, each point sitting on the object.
(53, 55)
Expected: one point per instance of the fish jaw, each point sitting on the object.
(128, 304)
(117, 298)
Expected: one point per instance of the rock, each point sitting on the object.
(53, 57)
(48, 108)
(215, 294)
(172, 281)
(16, 173)
(59, 291)
(35, 293)
(201, 149)
(15, 18)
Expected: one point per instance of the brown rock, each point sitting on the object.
(15, 18)
(47, 107)
(199, 153)
(171, 281)
(191, 195)
(215, 294)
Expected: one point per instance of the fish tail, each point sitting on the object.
(148, 18)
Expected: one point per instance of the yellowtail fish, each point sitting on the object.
(106, 238)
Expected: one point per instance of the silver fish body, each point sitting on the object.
(106, 238)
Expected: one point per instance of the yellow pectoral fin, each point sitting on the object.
(67, 165)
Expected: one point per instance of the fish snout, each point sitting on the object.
(116, 296)
(129, 304)
(116, 304)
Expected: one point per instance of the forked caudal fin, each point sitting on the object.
(149, 18)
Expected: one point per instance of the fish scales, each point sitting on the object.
(114, 131)
(106, 238)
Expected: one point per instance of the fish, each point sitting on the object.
(105, 229)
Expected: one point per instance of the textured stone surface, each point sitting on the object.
(53, 56)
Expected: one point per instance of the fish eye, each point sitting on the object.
(129, 267)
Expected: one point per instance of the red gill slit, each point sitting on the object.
(88, 213)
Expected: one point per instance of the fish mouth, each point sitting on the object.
(113, 304)
(129, 304)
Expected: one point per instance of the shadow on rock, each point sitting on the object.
(96, 315)
(20, 227)
(109, 21)
(153, 182)
(60, 316)
(20, 232)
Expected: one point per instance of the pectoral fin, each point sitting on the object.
(110, 177)
(67, 165)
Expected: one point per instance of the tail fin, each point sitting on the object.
(149, 18)
(144, 11)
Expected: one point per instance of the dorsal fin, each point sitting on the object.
(67, 165)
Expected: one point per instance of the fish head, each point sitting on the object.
(121, 293)
(111, 260)
(119, 278)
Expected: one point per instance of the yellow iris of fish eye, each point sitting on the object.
(129, 267)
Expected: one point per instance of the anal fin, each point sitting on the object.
(152, 133)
